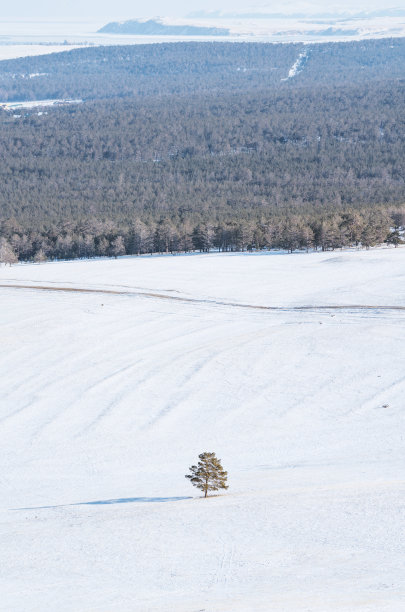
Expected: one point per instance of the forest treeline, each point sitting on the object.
(220, 166)
(69, 240)
(190, 68)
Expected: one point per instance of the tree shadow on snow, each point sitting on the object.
(129, 500)
(105, 502)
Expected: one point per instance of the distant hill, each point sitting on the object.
(385, 12)
(154, 27)
(190, 68)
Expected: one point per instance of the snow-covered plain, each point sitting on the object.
(10, 51)
(108, 395)
(26, 38)
(37, 104)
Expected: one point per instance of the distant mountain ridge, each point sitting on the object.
(153, 27)
(387, 12)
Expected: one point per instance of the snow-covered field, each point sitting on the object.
(36, 104)
(108, 395)
(14, 51)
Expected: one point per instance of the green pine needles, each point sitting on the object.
(209, 474)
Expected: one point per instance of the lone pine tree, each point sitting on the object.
(209, 474)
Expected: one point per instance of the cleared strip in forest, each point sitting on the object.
(162, 296)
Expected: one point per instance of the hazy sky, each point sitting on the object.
(79, 10)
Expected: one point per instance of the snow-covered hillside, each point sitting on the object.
(109, 394)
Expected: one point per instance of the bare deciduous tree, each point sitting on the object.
(7, 254)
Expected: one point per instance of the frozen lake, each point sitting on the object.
(23, 38)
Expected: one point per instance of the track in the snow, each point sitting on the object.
(162, 296)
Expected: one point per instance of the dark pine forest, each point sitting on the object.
(193, 146)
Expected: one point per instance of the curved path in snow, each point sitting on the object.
(163, 296)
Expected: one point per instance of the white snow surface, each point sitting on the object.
(107, 396)
(26, 38)
(38, 103)
(11, 51)
(296, 68)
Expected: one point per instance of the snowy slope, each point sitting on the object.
(107, 396)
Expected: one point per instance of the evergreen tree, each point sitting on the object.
(394, 238)
(209, 474)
